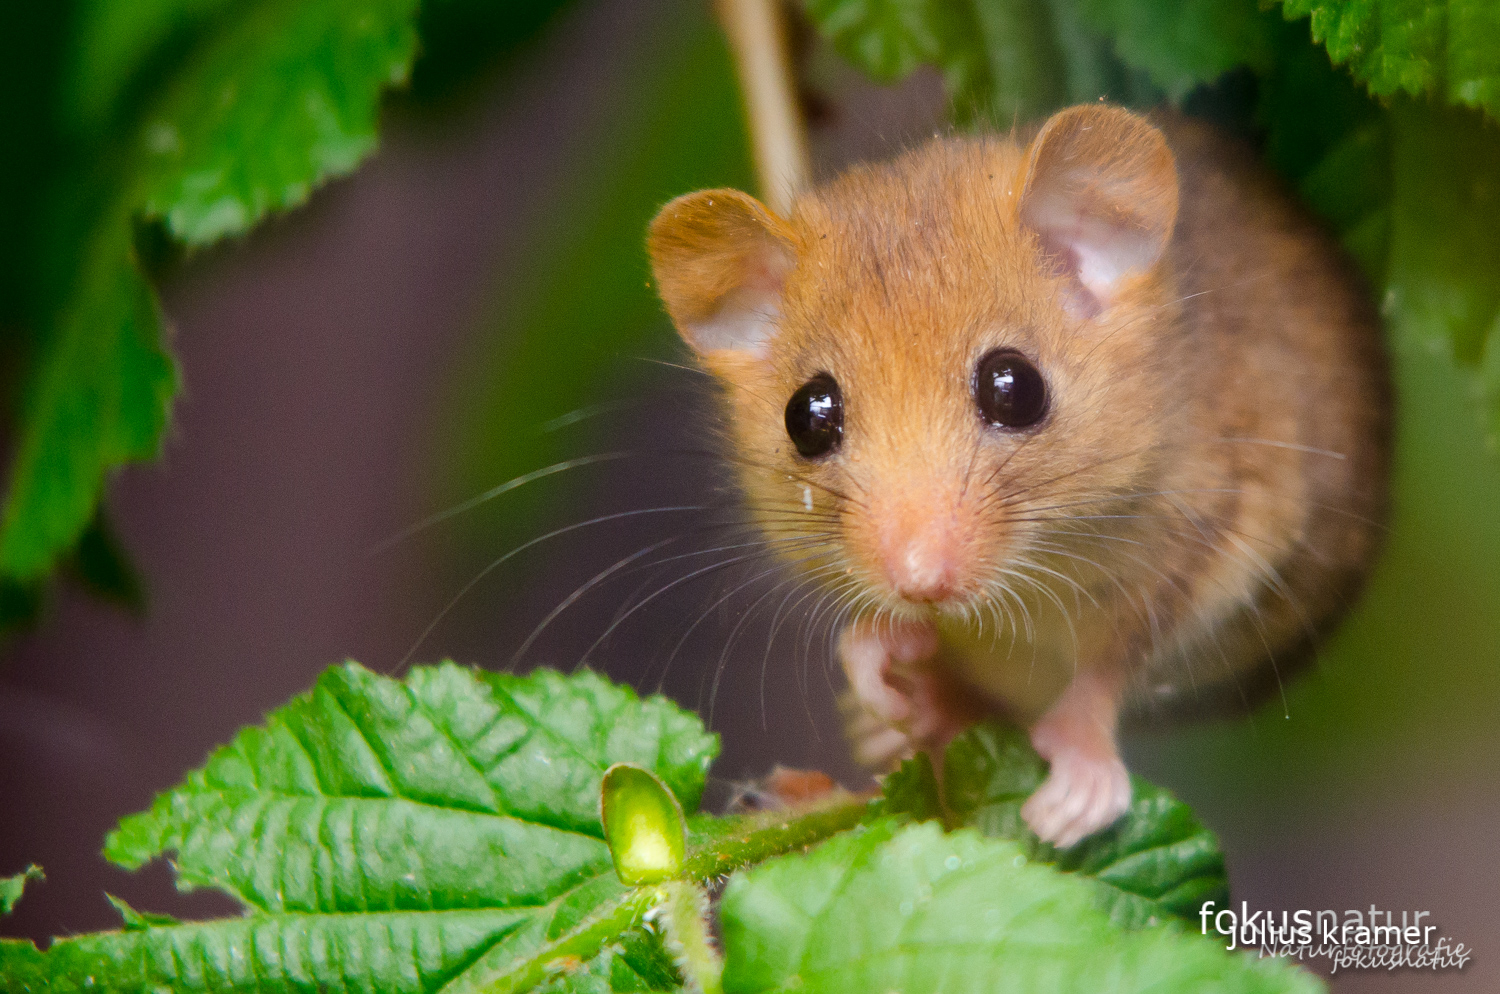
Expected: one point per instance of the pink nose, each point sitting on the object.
(923, 567)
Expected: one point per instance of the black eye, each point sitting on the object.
(815, 417)
(1009, 390)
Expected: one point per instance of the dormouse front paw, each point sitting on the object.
(1082, 794)
(899, 701)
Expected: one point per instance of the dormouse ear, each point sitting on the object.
(720, 259)
(1100, 191)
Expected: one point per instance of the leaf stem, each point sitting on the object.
(758, 837)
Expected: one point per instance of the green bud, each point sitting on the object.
(643, 825)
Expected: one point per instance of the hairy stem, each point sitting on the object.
(684, 914)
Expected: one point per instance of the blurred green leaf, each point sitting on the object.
(33, 57)
(1447, 48)
(102, 566)
(114, 42)
(284, 99)
(278, 99)
(98, 398)
(914, 910)
(1001, 60)
(20, 603)
(461, 39)
(206, 115)
(1444, 228)
(11, 888)
(1184, 43)
(1413, 189)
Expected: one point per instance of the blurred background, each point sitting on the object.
(472, 305)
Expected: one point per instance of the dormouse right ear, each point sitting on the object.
(720, 259)
(1100, 192)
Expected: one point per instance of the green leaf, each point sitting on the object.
(1413, 189)
(451, 768)
(1158, 862)
(1444, 227)
(391, 834)
(393, 952)
(915, 910)
(436, 832)
(11, 888)
(1414, 47)
(913, 790)
(1000, 59)
(463, 40)
(134, 920)
(279, 96)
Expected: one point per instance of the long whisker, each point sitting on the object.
(494, 564)
(572, 598)
(1274, 443)
(713, 693)
(810, 582)
(782, 548)
(776, 622)
(492, 493)
(605, 574)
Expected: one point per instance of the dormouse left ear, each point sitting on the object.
(1100, 192)
(720, 259)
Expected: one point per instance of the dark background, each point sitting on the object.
(345, 374)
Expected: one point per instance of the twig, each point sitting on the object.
(757, 36)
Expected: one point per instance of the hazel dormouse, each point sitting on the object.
(1085, 426)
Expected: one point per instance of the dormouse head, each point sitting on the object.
(930, 359)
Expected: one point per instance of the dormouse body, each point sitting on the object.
(1081, 427)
